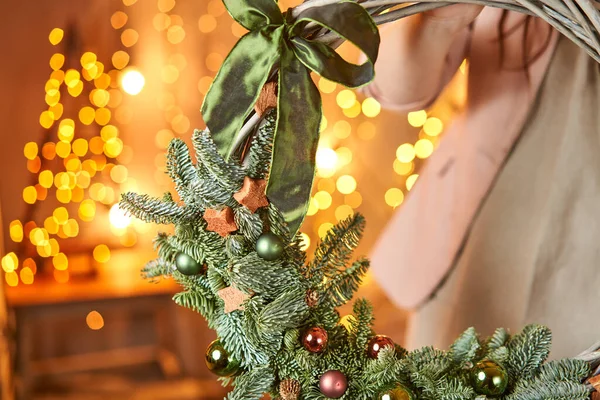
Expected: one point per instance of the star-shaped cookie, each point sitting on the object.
(220, 221)
(252, 194)
(233, 298)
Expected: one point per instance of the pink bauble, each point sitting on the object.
(333, 384)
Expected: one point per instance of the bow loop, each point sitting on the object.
(254, 14)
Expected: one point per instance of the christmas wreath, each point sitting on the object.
(235, 248)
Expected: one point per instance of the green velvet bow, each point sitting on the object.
(275, 41)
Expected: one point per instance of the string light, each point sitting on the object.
(417, 118)
(132, 82)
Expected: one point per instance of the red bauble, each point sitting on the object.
(378, 343)
(333, 384)
(315, 339)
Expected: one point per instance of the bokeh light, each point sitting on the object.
(132, 82)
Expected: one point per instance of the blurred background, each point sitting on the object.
(92, 92)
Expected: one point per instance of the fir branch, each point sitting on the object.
(236, 245)
(362, 324)
(229, 176)
(465, 348)
(151, 209)
(248, 223)
(156, 269)
(454, 388)
(269, 278)
(230, 330)
(339, 289)
(334, 252)
(180, 168)
(550, 390)
(252, 384)
(564, 370)
(261, 147)
(498, 339)
(528, 350)
(196, 301)
(286, 311)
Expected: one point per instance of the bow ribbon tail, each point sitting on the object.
(295, 142)
(236, 87)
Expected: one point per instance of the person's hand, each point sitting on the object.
(457, 15)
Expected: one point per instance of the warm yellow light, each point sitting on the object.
(34, 165)
(323, 200)
(120, 59)
(119, 174)
(102, 116)
(326, 158)
(353, 199)
(180, 124)
(129, 37)
(87, 210)
(76, 89)
(57, 61)
(63, 149)
(29, 195)
(305, 241)
(51, 225)
(71, 228)
(237, 30)
(169, 74)
(324, 229)
(346, 98)
(204, 84)
(72, 77)
(313, 207)
(30, 150)
(52, 98)
(56, 35)
(26, 276)
(101, 253)
(433, 126)
(129, 2)
(118, 20)
(394, 197)
(410, 181)
(87, 115)
(175, 34)
(371, 107)
(417, 118)
(54, 247)
(346, 184)
(403, 168)
(88, 60)
(56, 110)
(344, 156)
(161, 21)
(103, 82)
(342, 212)
(49, 150)
(214, 61)
(165, 5)
(46, 119)
(38, 236)
(118, 218)
(61, 214)
(10, 262)
(60, 261)
(46, 179)
(405, 153)
(16, 231)
(94, 320)
(423, 148)
(132, 82)
(366, 130)
(41, 192)
(207, 23)
(113, 147)
(326, 86)
(353, 111)
(342, 129)
(12, 279)
(66, 130)
(100, 97)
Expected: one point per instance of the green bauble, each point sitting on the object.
(219, 362)
(187, 265)
(269, 246)
(489, 378)
(398, 393)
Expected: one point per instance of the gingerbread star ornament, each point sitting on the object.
(220, 221)
(233, 298)
(252, 194)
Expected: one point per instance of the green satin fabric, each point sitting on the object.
(276, 41)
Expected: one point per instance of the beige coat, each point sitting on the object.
(499, 240)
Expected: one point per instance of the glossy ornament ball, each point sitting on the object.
(187, 265)
(397, 393)
(377, 343)
(269, 246)
(333, 384)
(489, 378)
(219, 362)
(315, 339)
